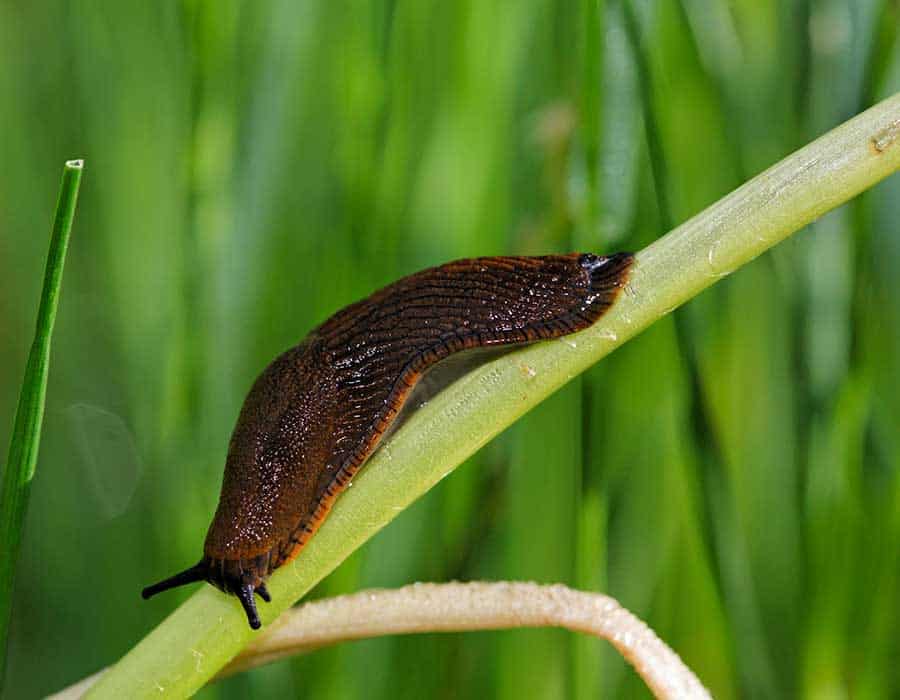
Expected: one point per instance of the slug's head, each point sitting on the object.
(227, 578)
(277, 455)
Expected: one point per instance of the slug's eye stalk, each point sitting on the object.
(221, 578)
(263, 593)
(248, 602)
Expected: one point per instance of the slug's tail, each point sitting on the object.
(608, 273)
(202, 572)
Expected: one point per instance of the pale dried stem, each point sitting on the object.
(457, 607)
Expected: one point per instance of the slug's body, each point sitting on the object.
(317, 413)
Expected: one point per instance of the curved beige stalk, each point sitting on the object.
(457, 607)
(460, 607)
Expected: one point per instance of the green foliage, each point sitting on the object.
(183, 652)
(256, 166)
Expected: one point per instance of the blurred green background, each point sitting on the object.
(732, 475)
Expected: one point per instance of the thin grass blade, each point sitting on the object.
(26, 437)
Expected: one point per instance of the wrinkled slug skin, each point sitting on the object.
(317, 413)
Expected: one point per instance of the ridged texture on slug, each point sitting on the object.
(318, 411)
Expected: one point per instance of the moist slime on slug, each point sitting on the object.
(318, 411)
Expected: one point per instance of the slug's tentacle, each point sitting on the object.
(195, 573)
(317, 413)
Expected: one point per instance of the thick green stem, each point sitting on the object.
(26, 437)
(192, 644)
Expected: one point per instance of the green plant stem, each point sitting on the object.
(26, 437)
(193, 643)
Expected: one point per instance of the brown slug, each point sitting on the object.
(317, 413)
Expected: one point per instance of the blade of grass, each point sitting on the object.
(26, 437)
(191, 645)
(658, 161)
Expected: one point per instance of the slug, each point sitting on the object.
(318, 412)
